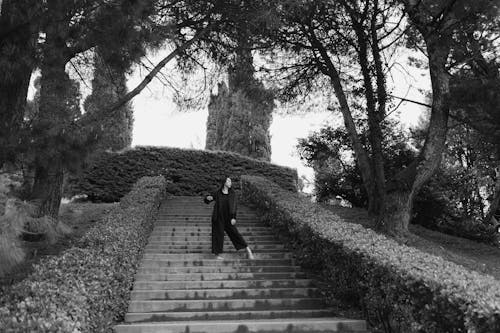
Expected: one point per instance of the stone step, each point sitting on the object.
(179, 256)
(301, 325)
(232, 262)
(256, 252)
(225, 304)
(223, 284)
(182, 294)
(206, 247)
(226, 315)
(208, 229)
(215, 269)
(205, 224)
(199, 215)
(219, 276)
(228, 247)
(196, 238)
(205, 234)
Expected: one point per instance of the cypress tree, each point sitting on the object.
(108, 86)
(239, 116)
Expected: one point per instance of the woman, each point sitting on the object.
(224, 219)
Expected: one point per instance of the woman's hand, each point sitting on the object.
(210, 198)
(233, 221)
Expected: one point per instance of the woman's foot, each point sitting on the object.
(219, 257)
(250, 254)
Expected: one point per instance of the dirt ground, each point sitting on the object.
(473, 255)
(79, 216)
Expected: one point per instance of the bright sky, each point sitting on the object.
(157, 121)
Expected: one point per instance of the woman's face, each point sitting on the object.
(228, 182)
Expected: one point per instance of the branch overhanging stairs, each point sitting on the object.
(180, 287)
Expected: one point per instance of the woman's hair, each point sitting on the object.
(222, 181)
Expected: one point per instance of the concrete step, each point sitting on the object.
(226, 315)
(232, 262)
(203, 294)
(178, 256)
(201, 215)
(206, 247)
(225, 304)
(215, 269)
(301, 325)
(196, 238)
(219, 276)
(208, 229)
(223, 284)
(207, 224)
(256, 252)
(206, 240)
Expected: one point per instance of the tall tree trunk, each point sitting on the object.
(362, 157)
(54, 115)
(47, 189)
(16, 66)
(375, 132)
(404, 187)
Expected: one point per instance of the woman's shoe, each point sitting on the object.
(219, 257)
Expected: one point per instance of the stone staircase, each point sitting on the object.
(179, 286)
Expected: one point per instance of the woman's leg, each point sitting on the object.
(237, 239)
(217, 238)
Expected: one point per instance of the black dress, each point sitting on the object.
(224, 210)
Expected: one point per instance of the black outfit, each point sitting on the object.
(224, 210)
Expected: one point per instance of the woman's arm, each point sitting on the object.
(209, 198)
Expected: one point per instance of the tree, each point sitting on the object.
(343, 44)
(244, 109)
(329, 152)
(437, 23)
(126, 28)
(18, 33)
(109, 86)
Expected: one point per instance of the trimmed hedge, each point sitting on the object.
(87, 287)
(191, 171)
(398, 286)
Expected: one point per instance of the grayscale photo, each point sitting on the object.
(249, 166)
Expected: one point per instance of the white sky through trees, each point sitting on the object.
(158, 122)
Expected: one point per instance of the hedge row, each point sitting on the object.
(398, 286)
(86, 288)
(193, 172)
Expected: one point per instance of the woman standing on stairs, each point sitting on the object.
(224, 219)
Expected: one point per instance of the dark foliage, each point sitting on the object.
(193, 172)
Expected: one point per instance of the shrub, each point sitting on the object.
(398, 286)
(86, 288)
(191, 171)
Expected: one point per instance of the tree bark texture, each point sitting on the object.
(403, 189)
(363, 159)
(54, 115)
(16, 65)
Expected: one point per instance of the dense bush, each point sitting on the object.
(193, 172)
(86, 288)
(398, 286)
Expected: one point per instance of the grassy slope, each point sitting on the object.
(79, 216)
(470, 254)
